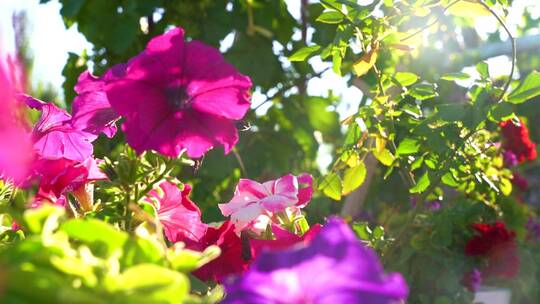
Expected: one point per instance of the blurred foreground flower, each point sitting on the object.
(15, 144)
(334, 268)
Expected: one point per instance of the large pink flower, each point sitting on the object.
(92, 112)
(254, 204)
(180, 217)
(179, 95)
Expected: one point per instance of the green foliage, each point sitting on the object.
(89, 261)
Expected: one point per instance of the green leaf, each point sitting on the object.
(501, 111)
(331, 186)
(455, 76)
(43, 219)
(304, 53)
(449, 180)
(148, 283)
(331, 17)
(406, 78)
(408, 146)
(353, 178)
(528, 89)
(423, 91)
(186, 260)
(384, 156)
(451, 112)
(337, 59)
(483, 69)
(422, 184)
(95, 233)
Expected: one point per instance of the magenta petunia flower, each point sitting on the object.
(180, 217)
(55, 136)
(59, 176)
(92, 111)
(179, 95)
(254, 204)
(334, 268)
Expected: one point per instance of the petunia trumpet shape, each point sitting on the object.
(254, 204)
(180, 217)
(55, 136)
(334, 268)
(179, 95)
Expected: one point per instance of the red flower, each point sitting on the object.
(516, 140)
(230, 261)
(497, 244)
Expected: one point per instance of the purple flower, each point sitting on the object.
(472, 280)
(510, 159)
(334, 268)
(179, 95)
(534, 229)
(433, 205)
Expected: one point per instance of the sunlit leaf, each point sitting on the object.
(331, 17)
(408, 146)
(366, 62)
(468, 8)
(406, 78)
(528, 89)
(455, 76)
(422, 184)
(331, 186)
(353, 178)
(304, 53)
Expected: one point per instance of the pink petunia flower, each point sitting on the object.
(179, 95)
(55, 136)
(180, 217)
(57, 177)
(64, 175)
(92, 111)
(254, 205)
